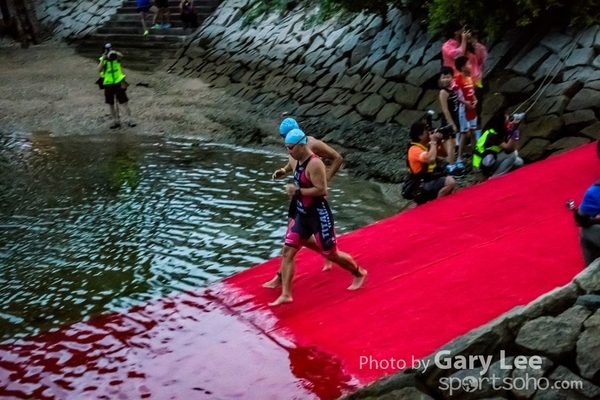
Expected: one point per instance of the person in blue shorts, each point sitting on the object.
(144, 7)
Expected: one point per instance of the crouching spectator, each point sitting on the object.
(496, 151)
(188, 14)
(424, 181)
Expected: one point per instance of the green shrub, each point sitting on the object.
(492, 18)
(488, 18)
(326, 8)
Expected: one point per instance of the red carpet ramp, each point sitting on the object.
(435, 272)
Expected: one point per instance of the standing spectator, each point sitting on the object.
(188, 14)
(467, 110)
(163, 9)
(461, 43)
(144, 7)
(449, 103)
(477, 55)
(115, 86)
(455, 46)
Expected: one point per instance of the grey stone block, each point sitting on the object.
(584, 99)
(389, 111)
(531, 61)
(553, 336)
(592, 131)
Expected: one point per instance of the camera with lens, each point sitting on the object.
(111, 56)
(445, 130)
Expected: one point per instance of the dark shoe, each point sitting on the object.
(115, 125)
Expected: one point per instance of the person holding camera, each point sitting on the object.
(114, 85)
(430, 183)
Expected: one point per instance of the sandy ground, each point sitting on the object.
(51, 88)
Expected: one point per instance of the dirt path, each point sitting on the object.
(50, 88)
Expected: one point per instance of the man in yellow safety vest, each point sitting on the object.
(114, 85)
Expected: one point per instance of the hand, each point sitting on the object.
(278, 173)
(290, 189)
(454, 128)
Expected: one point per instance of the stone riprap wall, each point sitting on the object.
(554, 339)
(75, 18)
(368, 68)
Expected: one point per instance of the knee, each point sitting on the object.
(450, 182)
(519, 162)
(288, 252)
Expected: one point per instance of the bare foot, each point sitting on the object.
(273, 283)
(358, 280)
(281, 300)
(327, 265)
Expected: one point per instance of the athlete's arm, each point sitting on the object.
(327, 152)
(281, 172)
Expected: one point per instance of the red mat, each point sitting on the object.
(435, 273)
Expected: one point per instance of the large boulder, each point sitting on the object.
(585, 98)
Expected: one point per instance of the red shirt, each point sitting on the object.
(466, 86)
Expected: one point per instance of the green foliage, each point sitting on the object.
(326, 9)
(489, 18)
(261, 7)
(492, 18)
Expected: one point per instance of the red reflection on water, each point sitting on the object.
(188, 346)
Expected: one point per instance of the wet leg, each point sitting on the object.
(312, 244)
(346, 261)
(288, 266)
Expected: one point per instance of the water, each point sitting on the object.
(90, 225)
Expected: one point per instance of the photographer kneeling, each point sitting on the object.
(424, 181)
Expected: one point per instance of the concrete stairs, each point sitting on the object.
(124, 31)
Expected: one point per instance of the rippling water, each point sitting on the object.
(94, 224)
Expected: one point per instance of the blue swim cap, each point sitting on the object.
(287, 125)
(295, 136)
